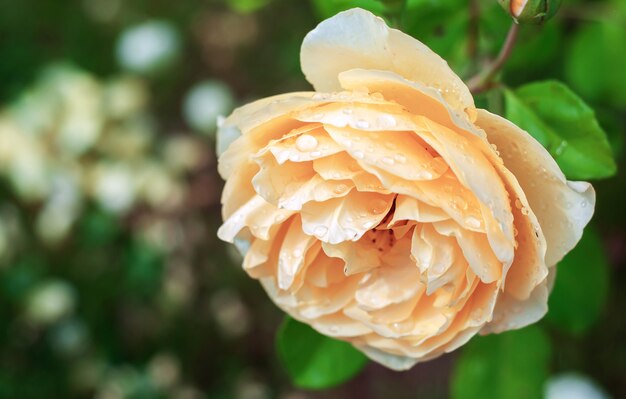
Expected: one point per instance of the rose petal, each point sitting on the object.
(563, 208)
(347, 218)
(334, 47)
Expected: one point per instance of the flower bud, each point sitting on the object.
(531, 11)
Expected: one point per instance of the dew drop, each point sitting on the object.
(518, 203)
(387, 160)
(361, 124)
(340, 188)
(400, 158)
(378, 206)
(306, 142)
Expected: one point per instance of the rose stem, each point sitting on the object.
(482, 81)
(472, 42)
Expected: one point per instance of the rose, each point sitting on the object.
(385, 209)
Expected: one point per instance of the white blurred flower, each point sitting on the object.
(205, 102)
(79, 132)
(28, 173)
(164, 370)
(231, 314)
(148, 47)
(573, 386)
(115, 188)
(61, 209)
(50, 301)
(124, 97)
(158, 187)
(182, 153)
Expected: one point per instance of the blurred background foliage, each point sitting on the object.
(112, 282)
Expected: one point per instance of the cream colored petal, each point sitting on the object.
(358, 256)
(563, 208)
(417, 98)
(339, 325)
(274, 182)
(258, 215)
(475, 171)
(238, 189)
(511, 313)
(302, 147)
(388, 285)
(389, 360)
(445, 193)
(274, 117)
(398, 153)
(476, 249)
(291, 254)
(358, 39)
(347, 218)
(325, 271)
(528, 268)
(408, 208)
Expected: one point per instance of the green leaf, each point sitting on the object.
(328, 8)
(565, 125)
(596, 61)
(511, 365)
(247, 6)
(581, 287)
(315, 361)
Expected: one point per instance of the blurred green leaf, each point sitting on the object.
(328, 8)
(510, 365)
(565, 125)
(581, 287)
(315, 361)
(247, 6)
(596, 61)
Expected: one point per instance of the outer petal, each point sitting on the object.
(358, 39)
(562, 208)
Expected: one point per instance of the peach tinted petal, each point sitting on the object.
(347, 218)
(333, 47)
(562, 208)
(411, 161)
(417, 98)
(257, 214)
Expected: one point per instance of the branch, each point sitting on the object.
(484, 80)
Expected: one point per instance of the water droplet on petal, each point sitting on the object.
(306, 142)
(378, 206)
(387, 160)
(340, 188)
(400, 158)
(361, 124)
